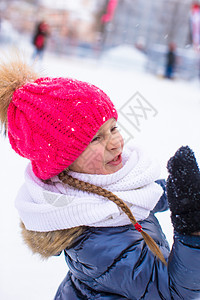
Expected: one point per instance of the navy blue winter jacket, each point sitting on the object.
(115, 263)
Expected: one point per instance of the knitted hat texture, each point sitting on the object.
(52, 120)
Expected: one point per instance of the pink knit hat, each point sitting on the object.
(51, 121)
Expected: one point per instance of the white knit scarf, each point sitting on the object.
(48, 207)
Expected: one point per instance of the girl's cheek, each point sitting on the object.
(98, 162)
(121, 140)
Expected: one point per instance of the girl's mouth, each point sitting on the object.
(116, 161)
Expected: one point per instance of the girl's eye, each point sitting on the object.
(97, 138)
(114, 128)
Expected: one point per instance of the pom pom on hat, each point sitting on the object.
(50, 121)
(12, 76)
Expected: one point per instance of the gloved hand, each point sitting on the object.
(183, 191)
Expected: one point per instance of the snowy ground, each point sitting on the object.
(177, 103)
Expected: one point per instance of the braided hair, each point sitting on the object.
(91, 188)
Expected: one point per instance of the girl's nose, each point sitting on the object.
(113, 142)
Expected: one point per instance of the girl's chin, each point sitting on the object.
(112, 169)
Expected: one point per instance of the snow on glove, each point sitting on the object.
(183, 191)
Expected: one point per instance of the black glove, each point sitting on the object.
(183, 191)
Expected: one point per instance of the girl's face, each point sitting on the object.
(103, 154)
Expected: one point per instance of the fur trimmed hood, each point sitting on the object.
(50, 243)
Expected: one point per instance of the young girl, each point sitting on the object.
(91, 197)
